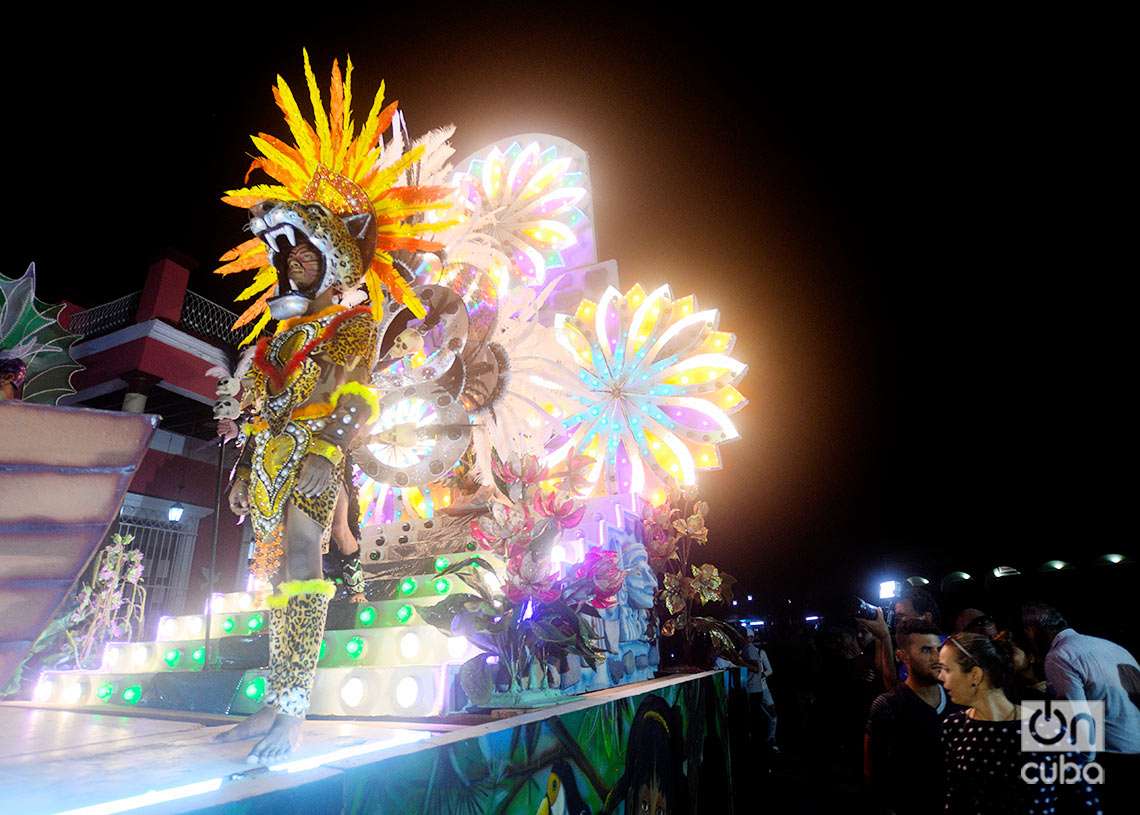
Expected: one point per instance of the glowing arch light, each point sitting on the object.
(660, 390)
(525, 202)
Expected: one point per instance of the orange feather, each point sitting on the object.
(259, 305)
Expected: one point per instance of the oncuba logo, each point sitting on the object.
(1062, 727)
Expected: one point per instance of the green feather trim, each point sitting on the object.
(295, 588)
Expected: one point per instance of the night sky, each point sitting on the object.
(908, 235)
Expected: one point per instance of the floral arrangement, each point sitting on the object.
(674, 533)
(541, 615)
(110, 607)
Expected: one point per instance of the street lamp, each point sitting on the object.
(174, 514)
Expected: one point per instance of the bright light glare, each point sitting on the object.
(456, 647)
(194, 626)
(409, 646)
(888, 589)
(149, 798)
(167, 628)
(44, 690)
(140, 655)
(72, 693)
(1114, 559)
(407, 691)
(811, 619)
(396, 739)
(352, 691)
(492, 582)
(557, 554)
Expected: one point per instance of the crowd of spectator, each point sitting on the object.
(898, 715)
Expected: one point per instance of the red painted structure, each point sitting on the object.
(157, 345)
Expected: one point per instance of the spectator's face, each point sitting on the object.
(961, 686)
(921, 656)
(904, 610)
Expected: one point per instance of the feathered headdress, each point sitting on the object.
(330, 163)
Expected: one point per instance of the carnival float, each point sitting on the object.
(524, 435)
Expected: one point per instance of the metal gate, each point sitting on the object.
(167, 552)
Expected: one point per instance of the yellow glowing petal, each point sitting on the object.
(704, 368)
(718, 342)
(644, 321)
(571, 338)
(707, 456)
(551, 234)
(657, 497)
(493, 181)
(635, 295)
(585, 312)
(728, 399)
(685, 306)
(545, 177)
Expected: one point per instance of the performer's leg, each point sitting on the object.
(260, 722)
(305, 598)
(349, 548)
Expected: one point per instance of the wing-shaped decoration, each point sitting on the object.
(30, 333)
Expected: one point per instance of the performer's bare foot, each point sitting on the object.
(256, 725)
(282, 738)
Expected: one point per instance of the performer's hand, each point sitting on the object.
(227, 429)
(239, 497)
(877, 626)
(316, 471)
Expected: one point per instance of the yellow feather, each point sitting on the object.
(324, 138)
(347, 125)
(258, 327)
(368, 134)
(250, 259)
(384, 179)
(296, 175)
(248, 196)
(375, 294)
(297, 125)
(266, 277)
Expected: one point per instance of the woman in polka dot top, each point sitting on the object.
(985, 767)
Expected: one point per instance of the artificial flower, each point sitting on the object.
(673, 595)
(708, 583)
(563, 512)
(606, 576)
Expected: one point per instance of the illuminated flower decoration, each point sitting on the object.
(660, 389)
(567, 514)
(522, 211)
(382, 503)
(503, 528)
(709, 585)
(675, 589)
(601, 568)
(693, 527)
(531, 575)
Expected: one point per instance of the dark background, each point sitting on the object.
(912, 225)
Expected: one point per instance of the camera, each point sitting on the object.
(863, 610)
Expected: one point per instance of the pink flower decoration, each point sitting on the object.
(602, 569)
(563, 512)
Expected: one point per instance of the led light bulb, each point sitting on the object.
(44, 690)
(407, 585)
(194, 626)
(244, 601)
(442, 586)
(456, 647)
(354, 647)
(352, 691)
(409, 646)
(132, 694)
(72, 693)
(407, 692)
(366, 616)
(167, 628)
(111, 656)
(140, 655)
(404, 613)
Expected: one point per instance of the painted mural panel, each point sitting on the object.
(667, 751)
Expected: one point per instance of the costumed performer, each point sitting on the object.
(327, 229)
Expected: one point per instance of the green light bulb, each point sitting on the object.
(255, 622)
(255, 689)
(441, 563)
(228, 625)
(324, 647)
(172, 657)
(407, 585)
(442, 586)
(106, 691)
(132, 694)
(367, 616)
(354, 647)
(199, 655)
(404, 613)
